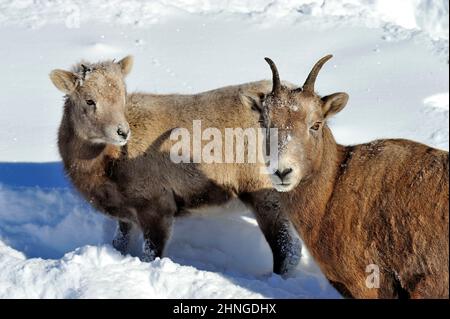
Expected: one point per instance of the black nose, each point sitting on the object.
(123, 132)
(284, 173)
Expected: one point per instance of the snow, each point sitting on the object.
(438, 101)
(428, 15)
(205, 261)
(390, 56)
(93, 272)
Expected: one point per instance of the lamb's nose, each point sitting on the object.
(284, 173)
(123, 132)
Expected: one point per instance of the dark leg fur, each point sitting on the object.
(156, 219)
(277, 229)
(122, 237)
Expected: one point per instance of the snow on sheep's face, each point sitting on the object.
(97, 96)
(300, 117)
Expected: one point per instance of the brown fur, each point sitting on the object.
(383, 203)
(138, 183)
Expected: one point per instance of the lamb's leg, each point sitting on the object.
(156, 221)
(122, 237)
(156, 231)
(277, 229)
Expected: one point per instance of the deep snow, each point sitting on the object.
(391, 59)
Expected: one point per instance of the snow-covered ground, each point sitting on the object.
(390, 56)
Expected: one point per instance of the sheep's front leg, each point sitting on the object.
(156, 230)
(155, 220)
(122, 237)
(277, 229)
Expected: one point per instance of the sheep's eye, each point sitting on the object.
(90, 102)
(316, 126)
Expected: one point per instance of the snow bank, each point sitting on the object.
(47, 226)
(47, 223)
(431, 16)
(101, 272)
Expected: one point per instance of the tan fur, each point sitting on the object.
(137, 182)
(384, 203)
(65, 81)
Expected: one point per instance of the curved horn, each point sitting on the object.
(276, 90)
(310, 81)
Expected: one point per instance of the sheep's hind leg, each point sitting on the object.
(122, 237)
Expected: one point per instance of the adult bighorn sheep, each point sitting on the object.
(381, 206)
(133, 179)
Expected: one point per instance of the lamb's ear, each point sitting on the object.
(64, 81)
(252, 100)
(334, 103)
(126, 64)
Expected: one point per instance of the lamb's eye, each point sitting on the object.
(316, 126)
(90, 102)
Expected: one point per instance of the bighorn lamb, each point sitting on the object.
(381, 206)
(115, 148)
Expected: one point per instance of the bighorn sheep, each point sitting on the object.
(132, 178)
(381, 206)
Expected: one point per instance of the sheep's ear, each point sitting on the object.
(253, 101)
(126, 64)
(334, 103)
(64, 81)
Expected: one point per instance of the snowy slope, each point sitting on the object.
(391, 59)
(430, 16)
